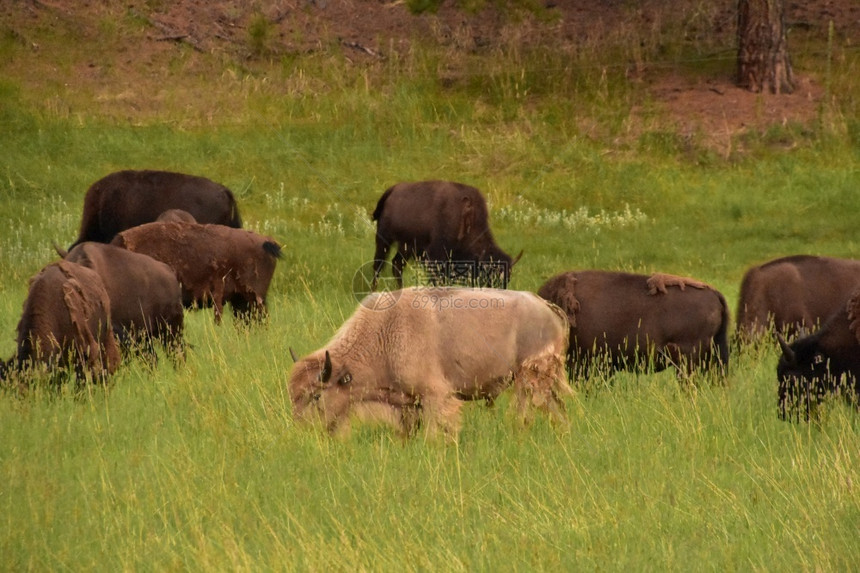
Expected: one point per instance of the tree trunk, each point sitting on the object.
(763, 62)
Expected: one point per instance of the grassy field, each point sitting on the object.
(201, 466)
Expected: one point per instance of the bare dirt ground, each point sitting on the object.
(369, 30)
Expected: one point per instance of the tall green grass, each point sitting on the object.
(201, 466)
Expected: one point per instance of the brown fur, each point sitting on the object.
(794, 294)
(213, 263)
(146, 299)
(125, 199)
(434, 221)
(66, 322)
(660, 282)
(415, 361)
(632, 321)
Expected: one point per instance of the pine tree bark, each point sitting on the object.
(763, 62)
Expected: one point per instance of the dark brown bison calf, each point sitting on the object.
(632, 322)
(214, 264)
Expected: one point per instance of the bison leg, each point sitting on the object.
(218, 301)
(579, 366)
(440, 413)
(397, 264)
(169, 333)
(541, 382)
(689, 360)
(248, 310)
(379, 258)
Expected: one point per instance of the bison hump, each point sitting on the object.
(660, 283)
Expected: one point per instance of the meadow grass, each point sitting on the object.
(201, 466)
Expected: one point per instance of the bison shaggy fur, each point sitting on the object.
(214, 264)
(631, 321)
(66, 323)
(410, 357)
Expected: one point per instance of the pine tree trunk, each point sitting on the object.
(763, 62)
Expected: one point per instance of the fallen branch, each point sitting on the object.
(169, 34)
(360, 48)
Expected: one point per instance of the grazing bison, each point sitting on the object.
(126, 199)
(66, 323)
(445, 225)
(822, 363)
(409, 357)
(631, 321)
(146, 299)
(214, 264)
(793, 294)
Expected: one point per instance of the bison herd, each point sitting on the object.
(153, 243)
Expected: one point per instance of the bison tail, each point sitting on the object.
(721, 338)
(235, 218)
(273, 249)
(377, 213)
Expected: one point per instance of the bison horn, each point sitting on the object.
(789, 354)
(293, 354)
(325, 375)
(517, 258)
(60, 251)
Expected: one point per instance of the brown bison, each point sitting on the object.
(822, 363)
(630, 321)
(409, 357)
(214, 264)
(793, 294)
(126, 199)
(66, 323)
(443, 224)
(146, 299)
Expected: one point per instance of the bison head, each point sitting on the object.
(318, 389)
(494, 268)
(331, 390)
(803, 374)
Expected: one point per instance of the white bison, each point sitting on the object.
(410, 357)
